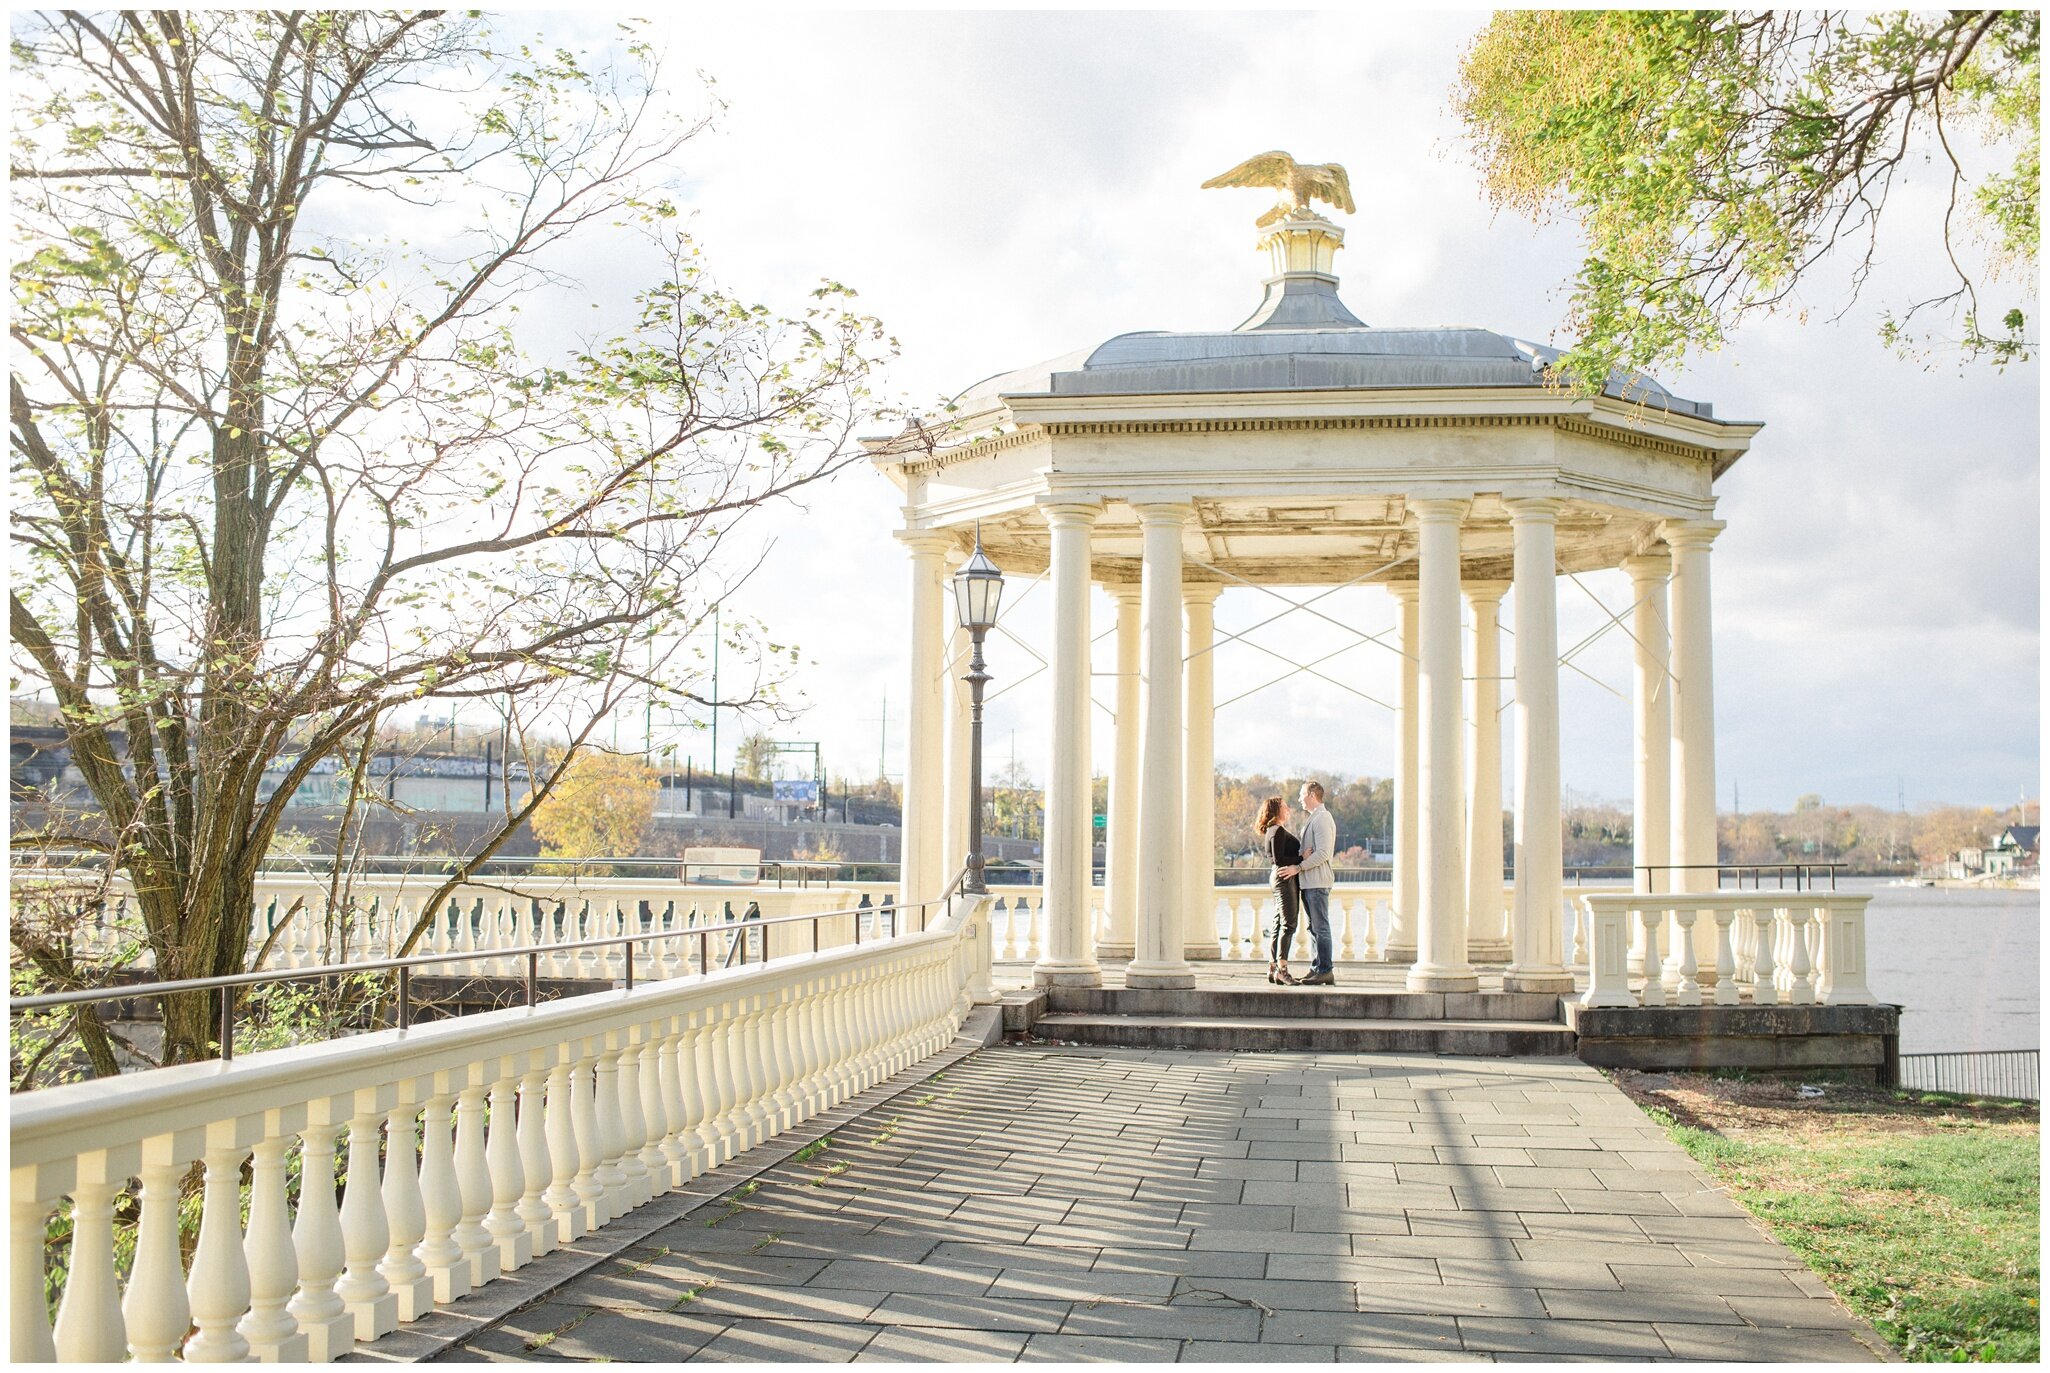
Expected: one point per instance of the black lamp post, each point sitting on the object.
(978, 587)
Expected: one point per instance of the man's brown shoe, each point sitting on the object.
(1318, 980)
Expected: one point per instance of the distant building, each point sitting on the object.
(2014, 852)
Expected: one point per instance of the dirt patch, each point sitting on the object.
(1735, 1106)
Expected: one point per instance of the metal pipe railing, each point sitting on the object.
(405, 966)
(1802, 881)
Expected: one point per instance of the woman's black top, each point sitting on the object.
(1284, 850)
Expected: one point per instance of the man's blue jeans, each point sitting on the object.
(1317, 910)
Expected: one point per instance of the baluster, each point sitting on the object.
(317, 1239)
(405, 1217)
(217, 1291)
(732, 1119)
(533, 1208)
(1235, 946)
(686, 1092)
(748, 1079)
(709, 1079)
(89, 1325)
(297, 941)
(1302, 935)
(1578, 920)
(633, 1128)
(1653, 919)
(273, 1271)
(1342, 912)
(788, 1047)
(1725, 958)
(611, 1128)
(507, 1228)
(590, 1189)
(564, 1205)
(1799, 984)
(271, 1330)
(656, 1126)
(365, 1235)
(442, 1200)
(473, 1184)
(1687, 989)
(155, 1309)
(1764, 976)
(28, 1323)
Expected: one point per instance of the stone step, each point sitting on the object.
(1306, 1003)
(1324, 1034)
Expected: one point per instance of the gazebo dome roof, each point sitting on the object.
(1303, 338)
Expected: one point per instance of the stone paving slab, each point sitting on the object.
(1070, 1204)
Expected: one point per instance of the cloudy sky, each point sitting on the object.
(1002, 188)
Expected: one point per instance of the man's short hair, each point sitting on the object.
(1315, 789)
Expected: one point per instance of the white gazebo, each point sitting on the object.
(1305, 448)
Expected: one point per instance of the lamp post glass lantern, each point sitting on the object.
(978, 590)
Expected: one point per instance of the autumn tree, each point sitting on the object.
(599, 805)
(285, 461)
(1712, 158)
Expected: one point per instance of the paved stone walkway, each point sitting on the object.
(1160, 1206)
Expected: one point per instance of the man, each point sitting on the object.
(1314, 877)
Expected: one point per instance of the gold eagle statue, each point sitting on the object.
(1297, 181)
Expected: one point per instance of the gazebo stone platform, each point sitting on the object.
(1232, 1007)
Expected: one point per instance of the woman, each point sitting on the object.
(1285, 854)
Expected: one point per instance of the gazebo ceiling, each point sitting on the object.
(1303, 544)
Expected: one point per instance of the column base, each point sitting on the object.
(1047, 973)
(1537, 980)
(1167, 976)
(1487, 950)
(1115, 953)
(1443, 978)
(1201, 953)
(1398, 953)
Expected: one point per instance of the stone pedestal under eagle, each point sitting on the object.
(1299, 182)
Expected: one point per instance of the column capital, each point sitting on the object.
(1176, 513)
(1122, 592)
(1402, 591)
(929, 542)
(1648, 566)
(1201, 593)
(1523, 509)
(1071, 510)
(1437, 509)
(1691, 533)
(1484, 592)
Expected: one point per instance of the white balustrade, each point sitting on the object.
(1780, 948)
(566, 1114)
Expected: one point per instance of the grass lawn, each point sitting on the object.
(1919, 1210)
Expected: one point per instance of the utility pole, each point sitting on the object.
(883, 742)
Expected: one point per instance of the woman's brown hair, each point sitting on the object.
(1270, 816)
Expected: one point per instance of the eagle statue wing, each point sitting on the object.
(1265, 169)
(1335, 187)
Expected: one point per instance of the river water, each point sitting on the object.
(1964, 966)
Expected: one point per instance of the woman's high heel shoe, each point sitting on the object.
(1274, 973)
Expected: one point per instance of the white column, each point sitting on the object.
(1199, 772)
(1487, 933)
(1441, 964)
(1536, 927)
(1401, 943)
(1070, 959)
(1158, 960)
(954, 826)
(1121, 825)
(925, 736)
(1652, 726)
(1693, 818)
